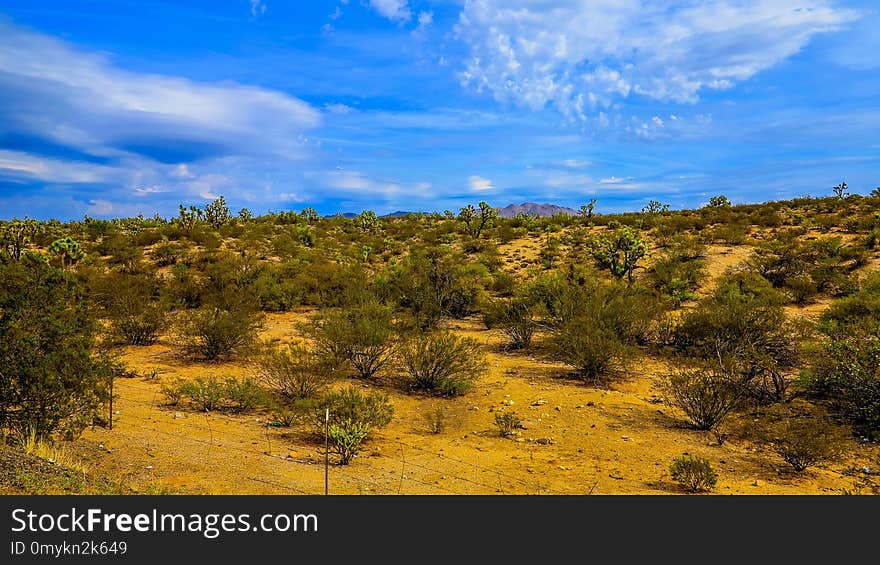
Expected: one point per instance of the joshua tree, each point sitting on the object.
(17, 234)
(619, 252)
(840, 190)
(67, 250)
(217, 213)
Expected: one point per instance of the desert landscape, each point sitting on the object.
(608, 421)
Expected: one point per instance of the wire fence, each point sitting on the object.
(219, 440)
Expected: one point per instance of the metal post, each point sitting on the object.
(327, 452)
(112, 378)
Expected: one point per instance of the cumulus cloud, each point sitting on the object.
(75, 98)
(394, 10)
(583, 56)
(479, 183)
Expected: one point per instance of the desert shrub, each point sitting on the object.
(729, 233)
(804, 440)
(206, 393)
(373, 409)
(442, 363)
(435, 419)
(132, 306)
(677, 274)
(705, 396)
(353, 416)
(858, 313)
(51, 377)
(166, 254)
(227, 327)
(846, 374)
(362, 335)
(592, 350)
(515, 317)
(431, 284)
(508, 422)
(628, 311)
(743, 325)
(243, 394)
(295, 372)
(807, 268)
(173, 391)
(694, 473)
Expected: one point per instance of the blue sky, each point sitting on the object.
(119, 107)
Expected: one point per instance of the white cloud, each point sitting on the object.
(27, 167)
(100, 207)
(394, 10)
(582, 56)
(575, 163)
(80, 99)
(425, 19)
(258, 8)
(479, 183)
(334, 108)
(148, 190)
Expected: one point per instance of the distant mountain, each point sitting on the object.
(534, 209)
(397, 214)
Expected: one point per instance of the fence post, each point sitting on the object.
(327, 451)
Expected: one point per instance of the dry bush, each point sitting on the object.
(442, 363)
(295, 372)
(706, 396)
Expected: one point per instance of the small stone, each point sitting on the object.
(558, 409)
(149, 467)
(540, 402)
(591, 403)
(292, 454)
(545, 441)
(626, 438)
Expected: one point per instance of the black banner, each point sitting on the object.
(250, 529)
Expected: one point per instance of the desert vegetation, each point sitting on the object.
(754, 325)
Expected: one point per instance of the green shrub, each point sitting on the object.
(220, 330)
(353, 416)
(373, 409)
(442, 363)
(508, 422)
(593, 351)
(435, 419)
(744, 326)
(514, 317)
(846, 374)
(694, 473)
(206, 393)
(50, 376)
(295, 372)
(361, 335)
(174, 391)
(243, 394)
(677, 274)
